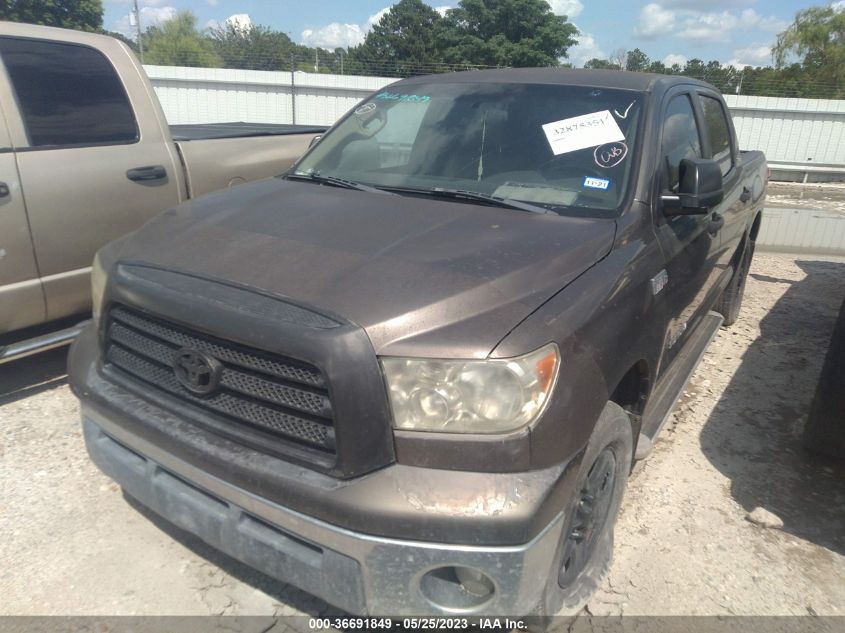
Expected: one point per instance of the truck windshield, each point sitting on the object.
(567, 149)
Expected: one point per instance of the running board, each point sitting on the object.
(667, 392)
(42, 343)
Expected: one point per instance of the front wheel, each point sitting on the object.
(586, 545)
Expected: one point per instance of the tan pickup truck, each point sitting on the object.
(86, 156)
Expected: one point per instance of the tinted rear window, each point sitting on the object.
(717, 130)
(68, 94)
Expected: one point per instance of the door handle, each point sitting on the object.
(4, 190)
(745, 196)
(151, 172)
(717, 221)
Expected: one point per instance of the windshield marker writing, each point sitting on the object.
(610, 154)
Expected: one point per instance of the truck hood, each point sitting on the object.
(424, 277)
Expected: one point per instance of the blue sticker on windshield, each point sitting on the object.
(596, 183)
(395, 96)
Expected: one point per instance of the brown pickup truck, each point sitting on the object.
(413, 382)
(86, 156)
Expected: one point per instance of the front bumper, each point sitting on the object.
(365, 545)
(359, 573)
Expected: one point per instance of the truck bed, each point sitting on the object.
(239, 129)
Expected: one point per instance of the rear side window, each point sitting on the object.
(67, 94)
(680, 138)
(716, 124)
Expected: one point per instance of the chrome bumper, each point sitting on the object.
(359, 573)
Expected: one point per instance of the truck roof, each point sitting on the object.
(38, 31)
(598, 78)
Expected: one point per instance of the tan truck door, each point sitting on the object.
(93, 158)
(21, 296)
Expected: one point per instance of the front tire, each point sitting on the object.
(585, 549)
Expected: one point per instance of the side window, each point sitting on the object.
(718, 132)
(68, 94)
(680, 138)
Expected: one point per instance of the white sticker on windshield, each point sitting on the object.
(580, 132)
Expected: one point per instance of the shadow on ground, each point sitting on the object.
(31, 375)
(754, 436)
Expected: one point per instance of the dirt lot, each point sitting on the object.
(70, 543)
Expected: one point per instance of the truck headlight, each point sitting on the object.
(98, 286)
(470, 396)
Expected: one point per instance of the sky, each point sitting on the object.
(739, 32)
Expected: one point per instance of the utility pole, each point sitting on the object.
(138, 27)
(292, 88)
(341, 61)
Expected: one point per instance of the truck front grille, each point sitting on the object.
(256, 390)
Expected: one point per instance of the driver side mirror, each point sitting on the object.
(699, 188)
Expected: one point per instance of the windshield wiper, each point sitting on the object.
(335, 181)
(460, 194)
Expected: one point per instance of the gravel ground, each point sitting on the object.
(70, 543)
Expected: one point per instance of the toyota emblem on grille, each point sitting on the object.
(197, 372)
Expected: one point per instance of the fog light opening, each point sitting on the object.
(474, 582)
(457, 588)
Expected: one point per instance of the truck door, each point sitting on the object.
(690, 243)
(720, 144)
(21, 296)
(81, 157)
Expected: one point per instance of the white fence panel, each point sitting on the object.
(791, 130)
(802, 231)
(788, 130)
(219, 95)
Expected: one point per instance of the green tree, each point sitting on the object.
(637, 61)
(253, 47)
(82, 15)
(177, 42)
(404, 40)
(817, 38)
(595, 62)
(505, 33)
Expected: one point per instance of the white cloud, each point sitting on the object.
(672, 58)
(334, 35)
(376, 18)
(749, 18)
(754, 55)
(150, 16)
(709, 26)
(240, 22)
(442, 10)
(569, 8)
(586, 49)
(654, 21)
(838, 6)
(685, 19)
(337, 35)
(213, 3)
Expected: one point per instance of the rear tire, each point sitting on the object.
(585, 549)
(730, 301)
